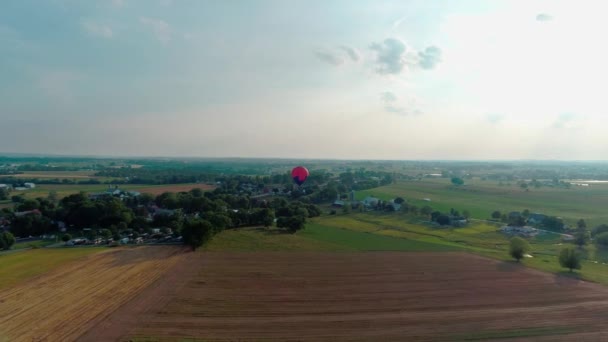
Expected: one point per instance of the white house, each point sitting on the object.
(370, 201)
(29, 185)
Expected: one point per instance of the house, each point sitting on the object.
(536, 218)
(4, 186)
(29, 185)
(338, 204)
(370, 201)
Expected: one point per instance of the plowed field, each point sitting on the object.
(379, 296)
(63, 304)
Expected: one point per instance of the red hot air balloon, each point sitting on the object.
(299, 174)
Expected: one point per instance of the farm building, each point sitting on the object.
(370, 201)
(536, 218)
(524, 231)
(338, 204)
(29, 185)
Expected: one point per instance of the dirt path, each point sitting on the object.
(65, 303)
(380, 296)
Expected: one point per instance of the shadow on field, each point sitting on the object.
(134, 255)
(566, 278)
(509, 266)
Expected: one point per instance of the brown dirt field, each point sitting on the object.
(379, 296)
(63, 304)
(157, 190)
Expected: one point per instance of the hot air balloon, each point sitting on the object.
(299, 174)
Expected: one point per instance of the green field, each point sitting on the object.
(33, 244)
(394, 232)
(63, 190)
(18, 266)
(481, 198)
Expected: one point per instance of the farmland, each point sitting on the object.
(62, 304)
(42, 190)
(481, 198)
(357, 296)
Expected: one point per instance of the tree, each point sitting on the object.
(570, 258)
(581, 237)
(7, 240)
(196, 233)
(517, 221)
(599, 230)
(581, 224)
(66, 237)
(601, 240)
(525, 213)
(426, 210)
(553, 223)
(496, 215)
(399, 200)
(518, 247)
(443, 220)
(457, 181)
(466, 214)
(291, 223)
(524, 185)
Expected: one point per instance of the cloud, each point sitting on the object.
(388, 97)
(429, 58)
(161, 29)
(352, 53)
(389, 56)
(564, 120)
(391, 105)
(543, 17)
(329, 58)
(96, 29)
(495, 118)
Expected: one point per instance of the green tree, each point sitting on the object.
(599, 230)
(399, 200)
(426, 210)
(581, 238)
(196, 233)
(457, 181)
(496, 215)
(443, 220)
(291, 223)
(601, 240)
(525, 213)
(7, 240)
(66, 237)
(466, 214)
(518, 247)
(570, 258)
(581, 225)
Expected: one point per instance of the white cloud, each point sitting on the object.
(159, 27)
(429, 58)
(494, 118)
(329, 58)
(96, 29)
(543, 17)
(565, 120)
(389, 56)
(352, 53)
(388, 97)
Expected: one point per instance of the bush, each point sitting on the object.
(569, 258)
(601, 240)
(7, 240)
(443, 220)
(518, 247)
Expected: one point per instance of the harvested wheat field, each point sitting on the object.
(379, 296)
(63, 304)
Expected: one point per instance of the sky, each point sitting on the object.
(348, 79)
